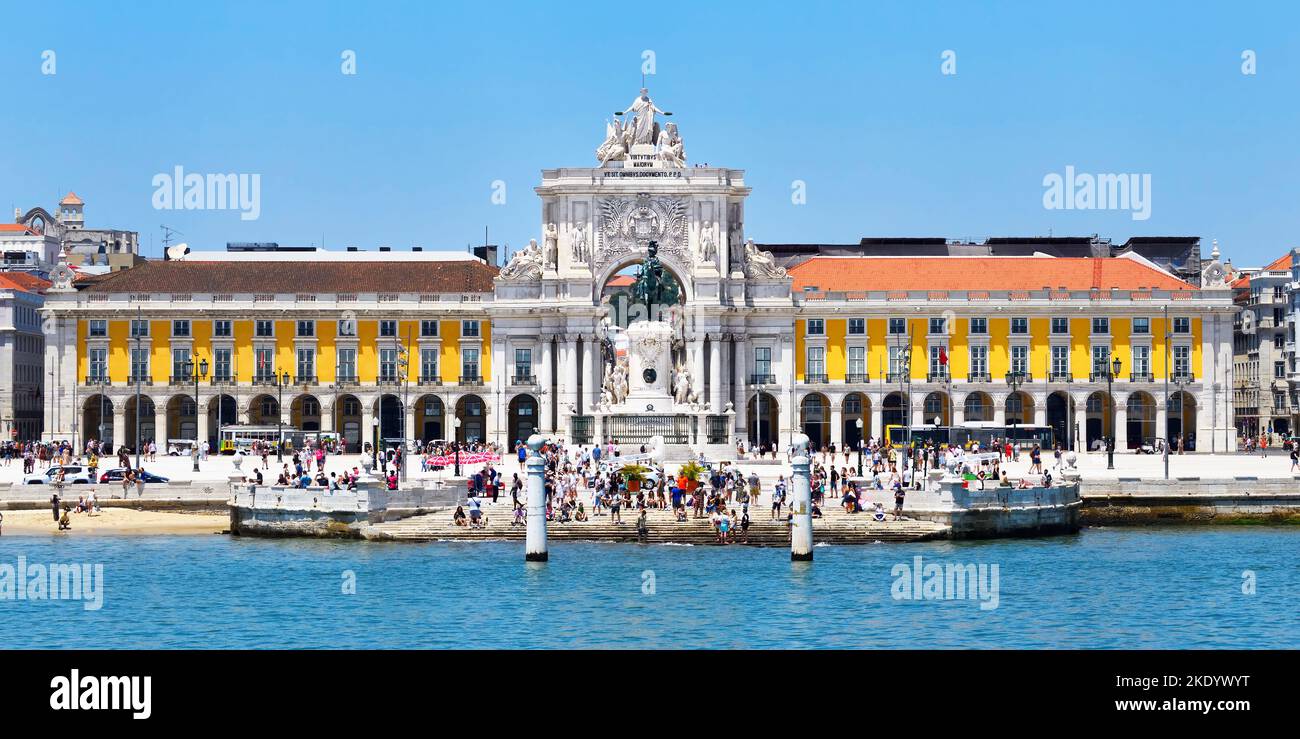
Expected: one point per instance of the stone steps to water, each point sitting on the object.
(837, 527)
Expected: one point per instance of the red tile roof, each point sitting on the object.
(1281, 263)
(14, 228)
(979, 273)
(620, 281)
(22, 281)
(72, 199)
(451, 276)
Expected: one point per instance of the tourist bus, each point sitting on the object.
(241, 438)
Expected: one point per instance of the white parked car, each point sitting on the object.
(73, 474)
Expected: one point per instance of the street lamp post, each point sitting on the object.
(1111, 371)
(455, 422)
(860, 442)
(1015, 380)
(103, 383)
(196, 371)
(281, 383)
(374, 445)
(136, 329)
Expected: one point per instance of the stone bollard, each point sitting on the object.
(801, 533)
(535, 543)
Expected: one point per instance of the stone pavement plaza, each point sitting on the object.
(1275, 465)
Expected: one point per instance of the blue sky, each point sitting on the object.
(847, 97)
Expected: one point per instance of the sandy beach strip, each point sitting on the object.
(113, 521)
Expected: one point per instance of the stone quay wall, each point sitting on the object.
(271, 510)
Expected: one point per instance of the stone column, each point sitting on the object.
(739, 383)
(877, 429)
(408, 419)
(1162, 421)
(200, 426)
(715, 373)
(119, 424)
(696, 345)
(568, 383)
(801, 534)
(367, 426)
(1040, 412)
(837, 425)
(546, 423)
(1121, 428)
(535, 543)
(160, 430)
(585, 396)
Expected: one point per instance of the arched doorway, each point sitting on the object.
(429, 415)
(523, 419)
(894, 411)
(470, 412)
(815, 419)
(978, 408)
(347, 420)
(1097, 416)
(142, 432)
(97, 420)
(763, 416)
(856, 407)
(222, 411)
(390, 418)
(1060, 417)
(937, 405)
(182, 419)
(264, 410)
(1020, 409)
(1181, 421)
(304, 413)
(1140, 419)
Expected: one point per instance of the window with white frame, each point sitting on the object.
(857, 326)
(1100, 325)
(523, 362)
(1061, 360)
(1141, 360)
(139, 362)
(179, 359)
(469, 363)
(979, 326)
(222, 329)
(937, 367)
(469, 328)
(1060, 326)
(1100, 359)
(816, 327)
(181, 328)
(1141, 325)
(388, 328)
(816, 361)
(221, 364)
(763, 361)
(388, 364)
(1019, 326)
(428, 328)
(98, 328)
(263, 329)
(858, 361)
(1182, 325)
(897, 364)
(139, 327)
(265, 368)
(1182, 361)
(979, 360)
(99, 364)
(1020, 359)
(428, 363)
(306, 329)
(898, 326)
(347, 361)
(347, 327)
(939, 325)
(306, 363)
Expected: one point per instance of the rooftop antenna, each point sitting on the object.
(169, 235)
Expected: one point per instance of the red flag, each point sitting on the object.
(943, 356)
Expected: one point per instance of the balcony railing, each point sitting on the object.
(1098, 376)
(1140, 377)
(1060, 377)
(936, 376)
(857, 378)
(265, 380)
(1018, 377)
(139, 379)
(762, 379)
(388, 380)
(896, 377)
(180, 380)
(432, 380)
(346, 380)
(470, 380)
(979, 377)
(523, 380)
(98, 380)
(1182, 377)
(304, 380)
(222, 380)
(815, 379)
